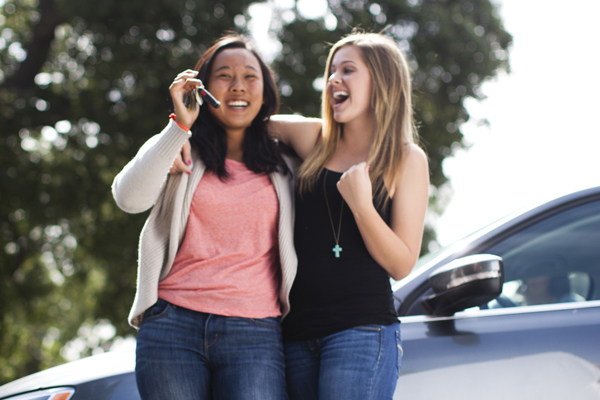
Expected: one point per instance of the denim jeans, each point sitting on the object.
(183, 354)
(361, 363)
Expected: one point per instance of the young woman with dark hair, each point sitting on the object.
(216, 257)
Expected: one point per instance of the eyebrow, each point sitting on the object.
(343, 62)
(347, 61)
(228, 67)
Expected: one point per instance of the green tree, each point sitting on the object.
(84, 84)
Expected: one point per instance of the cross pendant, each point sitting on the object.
(337, 250)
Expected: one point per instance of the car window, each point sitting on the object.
(556, 260)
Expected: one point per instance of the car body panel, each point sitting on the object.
(498, 334)
(117, 387)
(102, 373)
(550, 376)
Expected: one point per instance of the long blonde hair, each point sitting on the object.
(392, 102)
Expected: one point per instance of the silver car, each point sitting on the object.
(510, 312)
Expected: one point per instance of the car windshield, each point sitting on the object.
(458, 244)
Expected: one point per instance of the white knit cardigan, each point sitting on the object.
(145, 182)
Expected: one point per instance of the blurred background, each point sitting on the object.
(84, 84)
(541, 138)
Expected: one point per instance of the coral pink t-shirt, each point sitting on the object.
(228, 263)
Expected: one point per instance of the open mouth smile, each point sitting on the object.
(237, 103)
(339, 96)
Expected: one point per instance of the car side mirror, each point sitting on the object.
(465, 282)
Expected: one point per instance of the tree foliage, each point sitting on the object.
(84, 84)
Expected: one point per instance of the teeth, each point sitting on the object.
(340, 95)
(237, 103)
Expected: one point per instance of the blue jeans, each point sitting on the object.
(184, 354)
(360, 363)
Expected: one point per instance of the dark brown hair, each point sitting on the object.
(261, 153)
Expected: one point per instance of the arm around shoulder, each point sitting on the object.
(299, 132)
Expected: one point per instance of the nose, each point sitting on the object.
(334, 79)
(237, 86)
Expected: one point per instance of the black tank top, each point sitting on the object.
(332, 294)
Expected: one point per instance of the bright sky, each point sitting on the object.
(544, 137)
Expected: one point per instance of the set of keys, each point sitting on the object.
(192, 99)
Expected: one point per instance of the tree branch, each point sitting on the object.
(37, 52)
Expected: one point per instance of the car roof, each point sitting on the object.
(75, 372)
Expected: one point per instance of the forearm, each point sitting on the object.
(296, 131)
(384, 245)
(137, 187)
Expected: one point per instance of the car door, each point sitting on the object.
(539, 339)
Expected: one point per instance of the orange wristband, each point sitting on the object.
(174, 118)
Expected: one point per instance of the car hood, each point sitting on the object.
(73, 373)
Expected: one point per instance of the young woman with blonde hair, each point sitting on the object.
(361, 199)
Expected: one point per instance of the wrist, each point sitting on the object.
(182, 126)
(364, 211)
